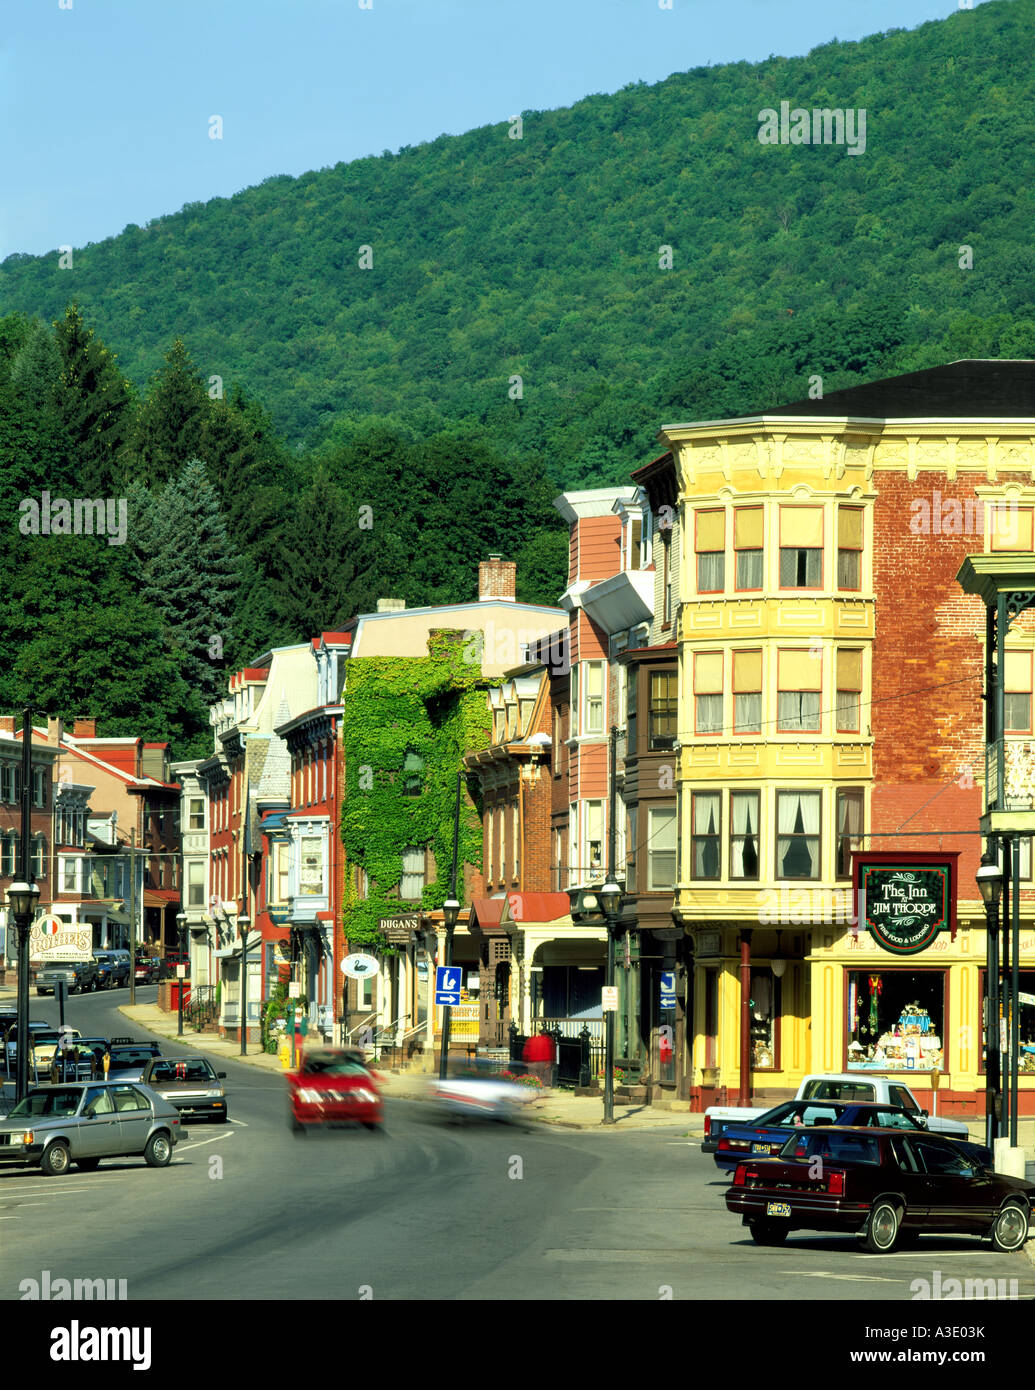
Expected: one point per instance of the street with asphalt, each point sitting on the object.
(558, 1206)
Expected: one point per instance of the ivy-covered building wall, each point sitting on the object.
(408, 722)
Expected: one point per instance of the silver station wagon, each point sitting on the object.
(56, 1126)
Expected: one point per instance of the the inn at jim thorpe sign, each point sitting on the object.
(905, 900)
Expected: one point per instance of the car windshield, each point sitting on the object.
(851, 1148)
(182, 1071)
(796, 1113)
(42, 1104)
(330, 1065)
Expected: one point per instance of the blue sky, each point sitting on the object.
(106, 104)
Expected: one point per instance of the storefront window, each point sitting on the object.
(764, 1009)
(896, 1020)
(1026, 1014)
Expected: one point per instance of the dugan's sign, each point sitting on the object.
(905, 900)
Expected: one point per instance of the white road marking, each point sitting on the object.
(856, 1278)
(182, 1148)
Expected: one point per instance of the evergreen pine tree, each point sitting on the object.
(171, 423)
(190, 572)
(96, 405)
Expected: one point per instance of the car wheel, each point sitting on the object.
(296, 1126)
(882, 1227)
(1010, 1230)
(87, 1165)
(158, 1151)
(374, 1128)
(766, 1233)
(56, 1160)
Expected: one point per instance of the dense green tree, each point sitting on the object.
(171, 424)
(316, 588)
(78, 640)
(96, 406)
(189, 572)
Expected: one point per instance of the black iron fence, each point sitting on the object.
(580, 1056)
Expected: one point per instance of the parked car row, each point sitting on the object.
(106, 968)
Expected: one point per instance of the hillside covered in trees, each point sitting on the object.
(490, 258)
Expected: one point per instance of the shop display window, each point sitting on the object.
(765, 1011)
(1026, 1014)
(896, 1020)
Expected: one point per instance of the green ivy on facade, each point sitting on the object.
(433, 707)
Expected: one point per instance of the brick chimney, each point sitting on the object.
(6, 723)
(497, 579)
(391, 605)
(84, 728)
(55, 731)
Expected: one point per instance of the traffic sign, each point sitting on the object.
(449, 981)
(668, 989)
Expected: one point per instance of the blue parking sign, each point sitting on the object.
(668, 989)
(449, 981)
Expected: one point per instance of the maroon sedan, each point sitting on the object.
(334, 1086)
(881, 1186)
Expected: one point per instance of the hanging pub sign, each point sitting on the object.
(905, 900)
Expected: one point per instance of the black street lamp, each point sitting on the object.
(990, 884)
(243, 924)
(610, 897)
(21, 899)
(181, 973)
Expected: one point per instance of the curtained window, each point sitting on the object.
(744, 836)
(705, 819)
(797, 834)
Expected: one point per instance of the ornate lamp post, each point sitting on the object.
(990, 884)
(610, 896)
(181, 922)
(243, 924)
(21, 899)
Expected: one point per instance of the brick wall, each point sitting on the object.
(927, 709)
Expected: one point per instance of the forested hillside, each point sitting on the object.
(492, 258)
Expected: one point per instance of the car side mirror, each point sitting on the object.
(220, 1073)
(924, 1113)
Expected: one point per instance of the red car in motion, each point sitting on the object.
(332, 1086)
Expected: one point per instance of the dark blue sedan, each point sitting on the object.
(766, 1134)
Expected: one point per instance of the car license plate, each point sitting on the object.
(761, 1148)
(777, 1209)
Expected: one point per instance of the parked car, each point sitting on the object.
(147, 969)
(880, 1185)
(114, 966)
(75, 975)
(105, 969)
(168, 964)
(333, 1085)
(56, 1126)
(129, 1058)
(768, 1134)
(189, 1083)
(840, 1086)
